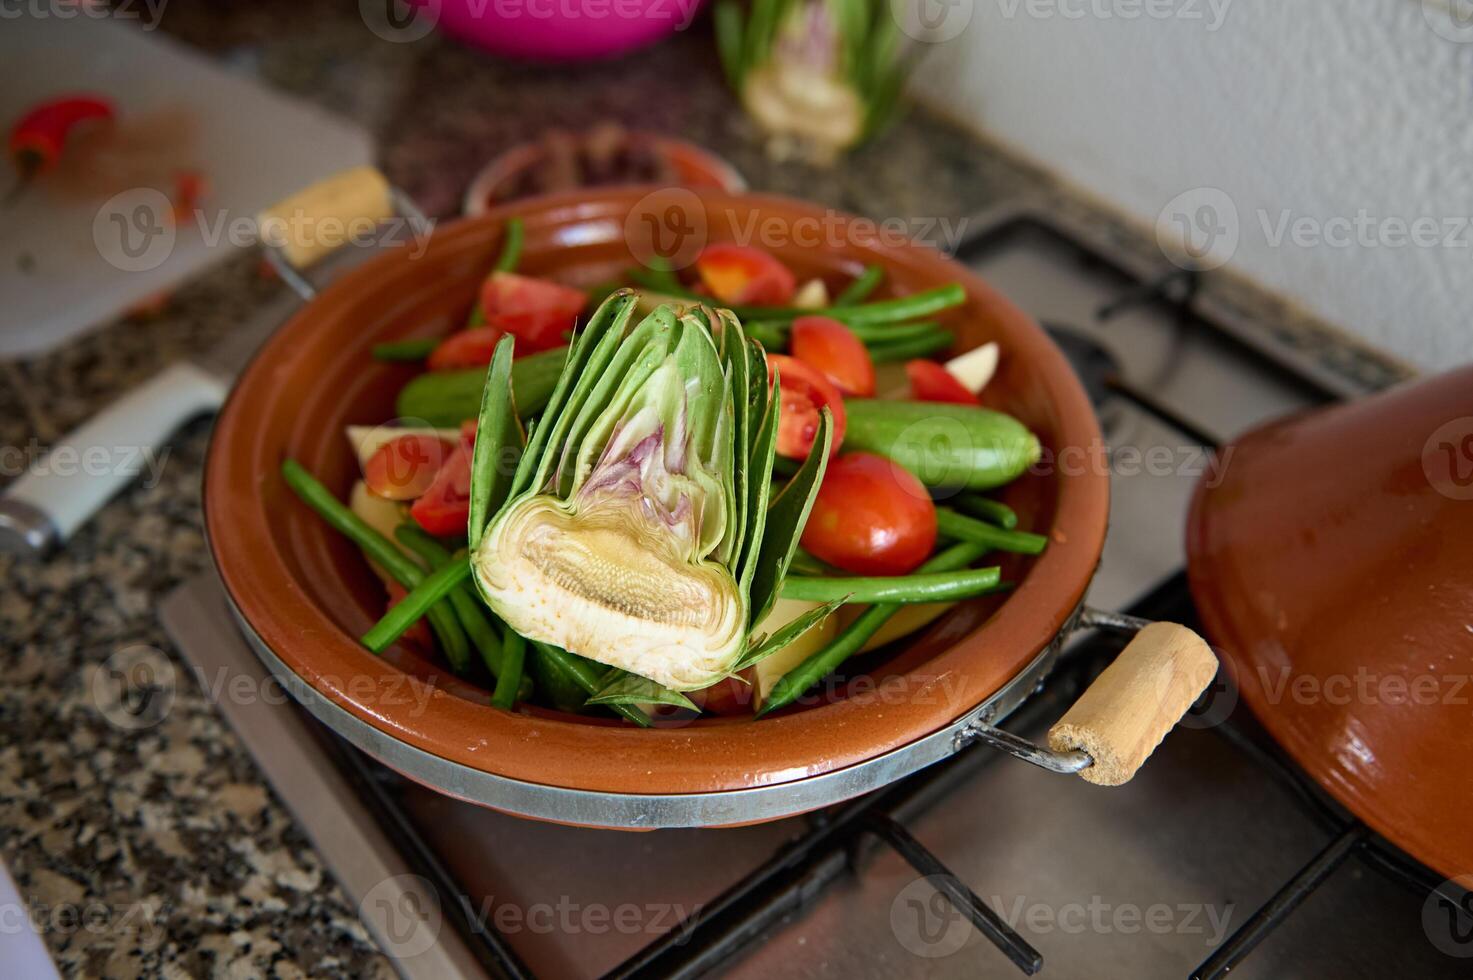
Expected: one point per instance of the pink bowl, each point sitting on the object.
(563, 30)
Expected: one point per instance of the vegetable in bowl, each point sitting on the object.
(614, 521)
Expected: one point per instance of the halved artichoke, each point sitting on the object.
(636, 529)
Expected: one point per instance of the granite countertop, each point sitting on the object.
(161, 851)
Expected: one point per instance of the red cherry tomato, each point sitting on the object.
(445, 507)
(930, 382)
(537, 312)
(465, 349)
(804, 392)
(832, 348)
(727, 698)
(745, 276)
(405, 466)
(871, 517)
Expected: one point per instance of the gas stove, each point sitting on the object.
(1218, 856)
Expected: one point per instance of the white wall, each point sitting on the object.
(1360, 110)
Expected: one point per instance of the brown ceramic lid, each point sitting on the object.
(307, 593)
(1334, 565)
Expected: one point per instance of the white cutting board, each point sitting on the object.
(71, 260)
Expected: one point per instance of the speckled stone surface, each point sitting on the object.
(166, 841)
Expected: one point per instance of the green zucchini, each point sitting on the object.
(447, 398)
(943, 445)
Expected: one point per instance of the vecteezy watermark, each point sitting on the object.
(568, 917)
(1447, 917)
(404, 21)
(1364, 686)
(137, 230)
(1447, 459)
(1450, 19)
(404, 914)
(1199, 229)
(1202, 229)
(95, 461)
(932, 21)
(135, 921)
(926, 922)
(146, 12)
(391, 689)
(134, 688)
(1211, 13)
(671, 226)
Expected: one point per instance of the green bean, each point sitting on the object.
(992, 511)
(889, 352)
(852, 640)
(511, 246)
(510, 679)
(902, 589)
(886, 311)
(587, 676)
(859, 290)
(467, 607)
(804, 563)
(662, 281)
(381, 550)
(405, 350)
(950, 524)
(430, 590)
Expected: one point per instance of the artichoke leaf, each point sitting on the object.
(497, 429)
(786, 517)
(621, 687)
(765, 647)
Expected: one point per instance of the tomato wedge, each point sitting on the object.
(804, 392)
(871, 517)
(745, 276)
(537, 312)
(405, 466)
(445, 507)
(930, 382)
(832, 348)
(465, 349)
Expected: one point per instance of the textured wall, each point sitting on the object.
(1340, 132)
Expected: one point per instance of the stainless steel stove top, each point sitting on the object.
(1143, 881)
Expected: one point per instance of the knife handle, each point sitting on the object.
(60, 491)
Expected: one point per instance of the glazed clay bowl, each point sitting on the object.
(1334, 566)
(303, 593)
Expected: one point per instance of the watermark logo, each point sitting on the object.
(1447, 459)
(667, 226)
(1447, 917)
(147, 12)
(407, 911)
(137, 230)
(134, 230)
(1450, 19)
(400, 21)
(932, 21)
(1199, 229)
(1211, 13)
(925, 921)
(134, 688)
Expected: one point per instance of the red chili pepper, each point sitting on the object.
(38, 138)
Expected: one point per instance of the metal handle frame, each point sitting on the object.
(1075, 760)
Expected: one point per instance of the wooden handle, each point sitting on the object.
(1129, 708)
(310, 224)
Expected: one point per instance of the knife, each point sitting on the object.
(46, 504)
